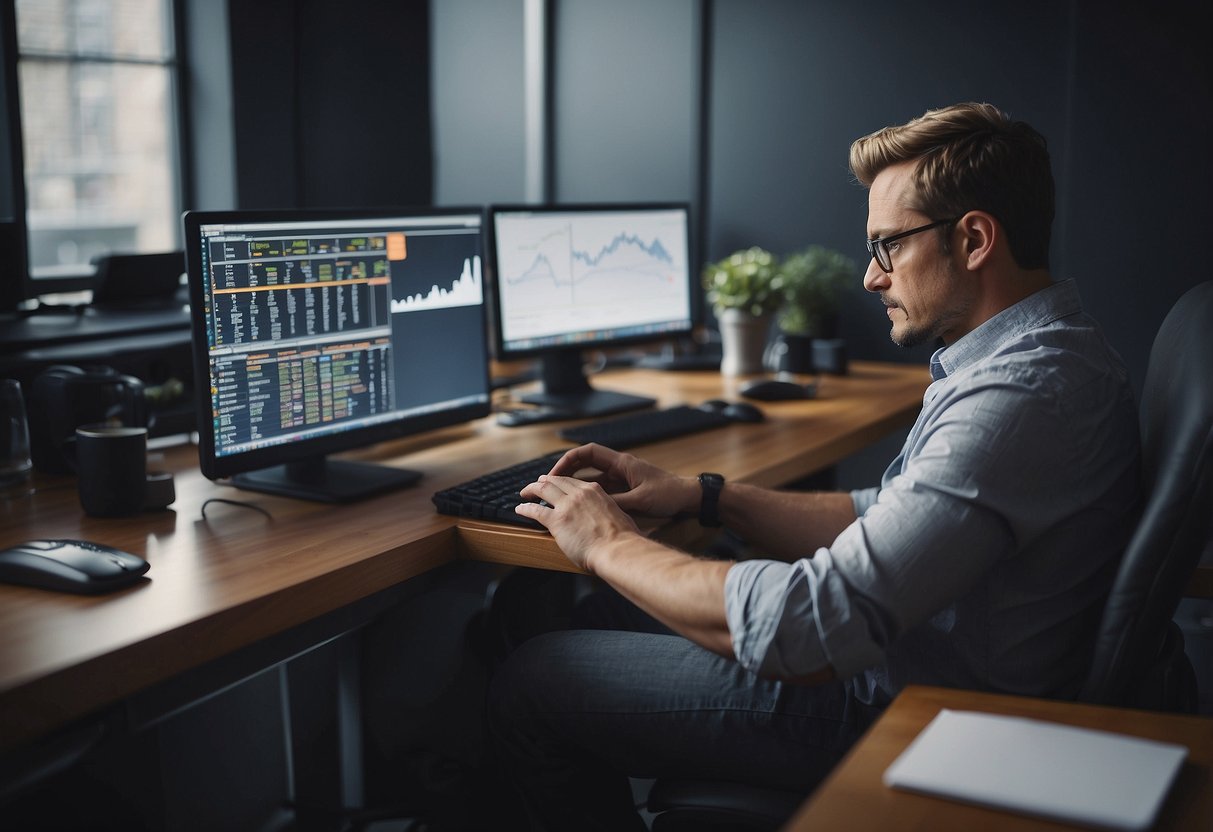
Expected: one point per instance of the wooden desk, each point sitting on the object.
(228, 581)
(854, 798)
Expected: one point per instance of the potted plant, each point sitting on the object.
(812, 282)
(744, 289)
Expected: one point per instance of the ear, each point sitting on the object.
(981, 235)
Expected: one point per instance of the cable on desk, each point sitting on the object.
(238, 503)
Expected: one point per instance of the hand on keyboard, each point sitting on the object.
(581, 516)
(494, 495)
(637, 486)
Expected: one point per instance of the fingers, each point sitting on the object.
(552, 491)
(549, 488)
(586, 456)
(540, 511)
(535, 511)
(533, 491)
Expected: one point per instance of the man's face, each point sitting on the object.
(926, 294)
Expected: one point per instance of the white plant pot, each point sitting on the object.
(743, 340)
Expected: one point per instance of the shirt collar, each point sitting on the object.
(1036, 310)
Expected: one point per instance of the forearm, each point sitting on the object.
(785, 524)
(683, 592)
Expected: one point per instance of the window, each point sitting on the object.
(97, 81)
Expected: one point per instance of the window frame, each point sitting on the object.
(28, 287)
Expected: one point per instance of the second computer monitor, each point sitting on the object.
(567, 278)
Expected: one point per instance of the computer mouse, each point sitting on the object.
(70, 566)
(743, 412)
(532, 416)
(771, 389)
(714, 405)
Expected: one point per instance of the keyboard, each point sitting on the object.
(494, 495)
(641, 427)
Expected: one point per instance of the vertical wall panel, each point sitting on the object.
(264, 85)
(363, 106)
(331, 103)
(208, 84)
(625, 100)
(477, 101)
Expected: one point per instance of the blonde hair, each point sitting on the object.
(971, 157)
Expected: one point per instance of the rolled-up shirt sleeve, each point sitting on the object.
(863, 499)
(763, 597)
(843, 605)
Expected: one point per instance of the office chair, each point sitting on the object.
(1138, 658)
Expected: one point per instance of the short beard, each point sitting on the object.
(912, 337)
(916, 336)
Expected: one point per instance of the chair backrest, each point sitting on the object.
(1138, 649)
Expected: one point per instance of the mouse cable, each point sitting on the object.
(238, 503)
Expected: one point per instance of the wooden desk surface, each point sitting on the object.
(227, 581)
(854, 798)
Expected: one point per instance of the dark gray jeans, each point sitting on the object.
(574, 713)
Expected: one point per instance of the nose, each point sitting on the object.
(875, 279)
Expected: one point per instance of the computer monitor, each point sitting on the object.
(322, 331)
(566, 278)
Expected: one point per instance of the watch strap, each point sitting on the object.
(709, 503)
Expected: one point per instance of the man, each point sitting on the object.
(982, 560)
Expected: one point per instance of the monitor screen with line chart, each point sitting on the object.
(566, 278)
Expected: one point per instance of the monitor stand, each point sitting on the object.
(327, 480)
(568, 394)
(672, 360)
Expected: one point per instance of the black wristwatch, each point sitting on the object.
(709, 505)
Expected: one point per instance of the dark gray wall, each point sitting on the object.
(1123, 96)
(795, 83)
(1139, 208)
(330, 103)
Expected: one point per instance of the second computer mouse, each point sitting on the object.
(70, 566)
(743, 412)
(770, 389)
(714, 405)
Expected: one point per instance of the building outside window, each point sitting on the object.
(97, 82)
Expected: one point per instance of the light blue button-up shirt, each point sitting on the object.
(983, 559)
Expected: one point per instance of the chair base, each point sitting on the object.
(719, 805)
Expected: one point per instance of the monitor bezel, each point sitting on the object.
(502, 352)
(216, 466)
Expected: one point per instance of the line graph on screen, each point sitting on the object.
(555, 264)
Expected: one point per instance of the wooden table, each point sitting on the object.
(236, 578)
(854, 798)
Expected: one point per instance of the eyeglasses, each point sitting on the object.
(879, 248)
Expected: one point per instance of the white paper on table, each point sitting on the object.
(1040, 768)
